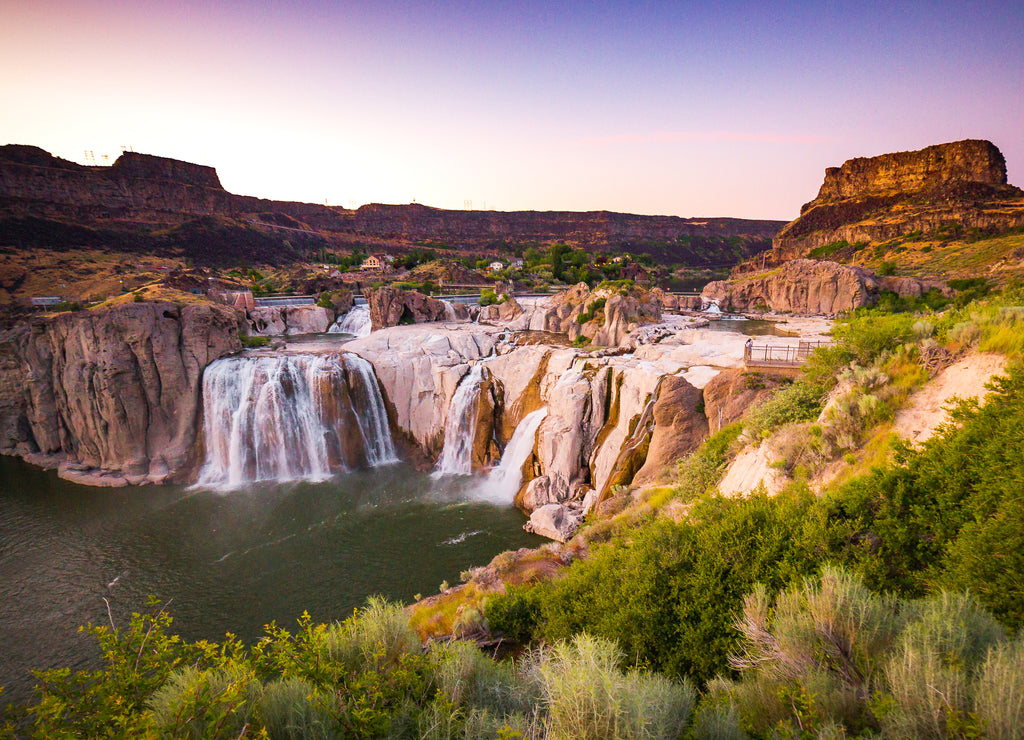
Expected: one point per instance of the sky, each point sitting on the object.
(677, 108)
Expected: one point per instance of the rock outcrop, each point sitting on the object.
(679, 427)
(112, 395)
(880, 198)
(271, 321)
(808, 287)
(602, 412)
(732, 393)
(393, 306)
(604, 316)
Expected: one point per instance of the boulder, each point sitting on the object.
(800, 286)
(535, 494)
(554, 521)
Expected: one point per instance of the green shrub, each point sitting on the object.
(198, 704)
(932, 669)
(683, 582)
(295, 709)
(827, 250)
(702, 470)
(947, 515)
(800, 401)
(588, 698)
(999, 691)
(253, 342)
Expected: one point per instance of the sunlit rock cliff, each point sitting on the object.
(872, 199)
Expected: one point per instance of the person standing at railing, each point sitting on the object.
(747, 347)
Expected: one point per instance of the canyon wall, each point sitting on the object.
(145, 190)
(111, 396)
(875, 199)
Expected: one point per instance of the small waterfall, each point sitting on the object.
(291, 418)
(503, 482)
(355, 322)
(449, 311)
(460, 426)
(711, 308)
(370, 411)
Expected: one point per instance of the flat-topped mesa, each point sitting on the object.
(875, 199)
(968, 161)
(151, 167)
(35, 183)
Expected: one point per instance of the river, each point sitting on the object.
(224, 561)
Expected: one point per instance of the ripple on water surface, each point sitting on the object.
(225, 561)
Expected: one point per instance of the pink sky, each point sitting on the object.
(661, 108)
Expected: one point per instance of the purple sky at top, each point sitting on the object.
(692, 109)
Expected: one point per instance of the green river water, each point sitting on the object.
(224, 561)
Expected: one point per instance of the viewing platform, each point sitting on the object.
(779, 359)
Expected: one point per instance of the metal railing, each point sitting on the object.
(780, 355)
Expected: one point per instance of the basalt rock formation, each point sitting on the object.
(880, 198)
(808, 287)
(604, 316)
(145, 203)
(394, 306)
(112, 396)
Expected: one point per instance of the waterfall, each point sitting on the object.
(712, 308)
(449, 311)
(372, 416)
(460, 426)
(503, 482)
(356, 322)
(289, 418)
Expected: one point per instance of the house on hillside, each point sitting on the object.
(495, 266)
(380, 262)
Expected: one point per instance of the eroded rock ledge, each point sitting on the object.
(809, 287)
(111, 396)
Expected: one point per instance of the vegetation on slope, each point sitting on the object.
(795, 615)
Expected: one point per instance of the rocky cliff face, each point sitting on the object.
(144, 190)
(112, 396)
(968, 161)
(808, 287)
(417, 222)
(879, 198)
(607, 417)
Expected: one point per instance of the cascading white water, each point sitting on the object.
(712, 307)
(460, 426)
(370, 411)
(503, 482)
(289, 418)
(355, 322)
